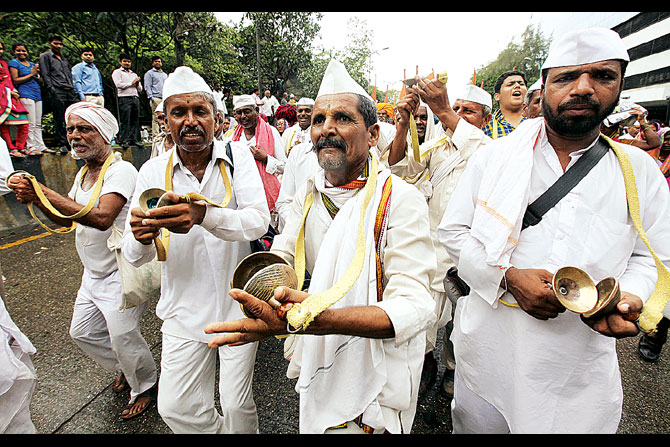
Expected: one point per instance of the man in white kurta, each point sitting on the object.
(195, 277)
(299, 133)
(436, 174)
(274, 162)
(348, 378)
(524, 363)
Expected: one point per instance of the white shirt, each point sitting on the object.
(269, 106)
(302, 164)
(456, 151)
(195, 278)
(295, 135)
(90, 242)
(275, 163)
(6, 167)
(406, 300)
(556, 375)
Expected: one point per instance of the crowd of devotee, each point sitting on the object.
(526, 229)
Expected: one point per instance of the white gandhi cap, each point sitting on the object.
(476, 94)
(336, 80)
(184, 80)
(586, 46)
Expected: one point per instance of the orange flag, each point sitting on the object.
(474, 77)
(386, 97)
(374, 93)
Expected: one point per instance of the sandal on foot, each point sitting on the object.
(135, 409)
(16, 153)
(120, 383)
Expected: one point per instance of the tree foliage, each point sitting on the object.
(225, 53)
(527, 56)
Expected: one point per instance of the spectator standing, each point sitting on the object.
(510, 92)
(269, 106)
(24, 76)
(87, 79)
(128, 88)
(56, 74)
(153, 85)
(12, 112)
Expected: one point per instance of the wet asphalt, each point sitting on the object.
(74, 395)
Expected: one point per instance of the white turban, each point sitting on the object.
(586, 46)
(336, 79)
(97, 116)
(243, 101)
(184, 80)
(476, 94)
(159, 108)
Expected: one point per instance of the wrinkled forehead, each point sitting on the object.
(337, 101)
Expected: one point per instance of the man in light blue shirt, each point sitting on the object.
(153, 85)
(87, 79)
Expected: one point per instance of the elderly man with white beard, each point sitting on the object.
(105, 187)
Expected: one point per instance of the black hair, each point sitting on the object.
(368, 109)
(155, 58)
(54, 37)
(123, 56)
(85, 50)
(15, 45)
(506, 75)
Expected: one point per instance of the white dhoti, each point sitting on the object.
(112, 338)
(15, 402)
(186, 395)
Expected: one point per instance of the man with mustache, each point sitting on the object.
(109, 337)
(264, 143)
(510, 91)
(299, 132)
(359, 353)
(204, 244)
(524, 364)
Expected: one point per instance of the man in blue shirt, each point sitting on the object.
(153, 84)
(87, 79)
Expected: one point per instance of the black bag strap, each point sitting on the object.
(229, 153)
(564, 184)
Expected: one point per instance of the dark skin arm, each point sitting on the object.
(178, 218)
(529, 288)
(363, 321)
(407, 105)
(100, 217)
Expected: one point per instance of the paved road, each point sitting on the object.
(74, 396)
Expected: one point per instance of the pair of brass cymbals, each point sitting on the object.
(260, 273)
(575, 289)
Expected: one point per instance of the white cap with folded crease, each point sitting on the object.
(184, 80)
(536, 86)
(305, 102)
(586, 46)
(336, 80)
(476, 94)
(243, 101)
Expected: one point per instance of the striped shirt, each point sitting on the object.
(499, 126)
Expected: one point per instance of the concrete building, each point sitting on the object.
(647, 38)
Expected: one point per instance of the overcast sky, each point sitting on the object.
(455, 42)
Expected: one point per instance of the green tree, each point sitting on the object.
(526, 55)
(285, 41)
